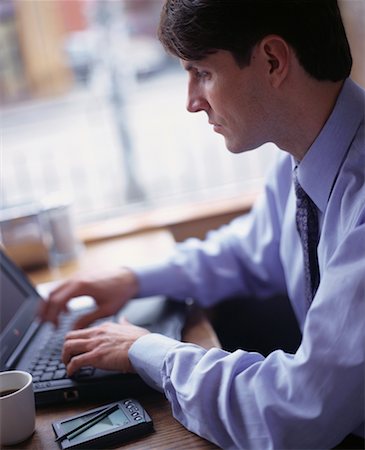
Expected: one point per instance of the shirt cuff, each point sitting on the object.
(147, 357)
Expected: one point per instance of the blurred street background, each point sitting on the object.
(93, 110)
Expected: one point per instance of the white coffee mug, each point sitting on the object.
(17, 408)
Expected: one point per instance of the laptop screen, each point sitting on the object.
(18, 307)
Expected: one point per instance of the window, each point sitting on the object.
(93, 109)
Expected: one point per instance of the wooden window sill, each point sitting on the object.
(185, 220)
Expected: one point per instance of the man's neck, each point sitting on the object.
(307, 114)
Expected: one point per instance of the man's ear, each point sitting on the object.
(276, 56)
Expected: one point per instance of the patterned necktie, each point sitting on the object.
(307, 226)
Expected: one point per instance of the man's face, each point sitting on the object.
(233, 98)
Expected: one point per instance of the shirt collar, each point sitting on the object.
(318, 170)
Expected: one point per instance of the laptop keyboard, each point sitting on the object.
(47, 364)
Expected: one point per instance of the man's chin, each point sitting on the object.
(238, 148)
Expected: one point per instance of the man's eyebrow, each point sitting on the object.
(189, 66)
(192, 66)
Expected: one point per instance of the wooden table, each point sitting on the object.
(169, 434)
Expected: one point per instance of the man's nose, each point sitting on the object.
(196, 102)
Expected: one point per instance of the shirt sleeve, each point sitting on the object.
(242, 258)
(312, 399)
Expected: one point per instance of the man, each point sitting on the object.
(262, 71)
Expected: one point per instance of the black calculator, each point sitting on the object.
(103, 427)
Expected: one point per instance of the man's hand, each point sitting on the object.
(110, 290)
(105, 347)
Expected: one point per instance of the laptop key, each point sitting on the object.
(36, 373)
(43, 361)
(59, 374)
(53, 363)
(47, 376)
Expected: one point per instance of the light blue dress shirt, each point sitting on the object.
(311, 399)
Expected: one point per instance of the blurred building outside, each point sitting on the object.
(93, 109)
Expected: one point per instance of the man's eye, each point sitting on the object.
(202, 74)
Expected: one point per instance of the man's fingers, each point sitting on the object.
(87, 319)
(79, 361)
(105, 346)
(74, 347)
(123, 321)
(58, 299)
(51, 308)
(68, 290)
(50, 312)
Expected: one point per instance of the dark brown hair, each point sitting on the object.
(193, 29)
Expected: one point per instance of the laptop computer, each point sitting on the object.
(26, 344)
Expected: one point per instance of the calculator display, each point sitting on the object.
(114, 420)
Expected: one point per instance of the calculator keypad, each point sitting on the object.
(133, 410)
